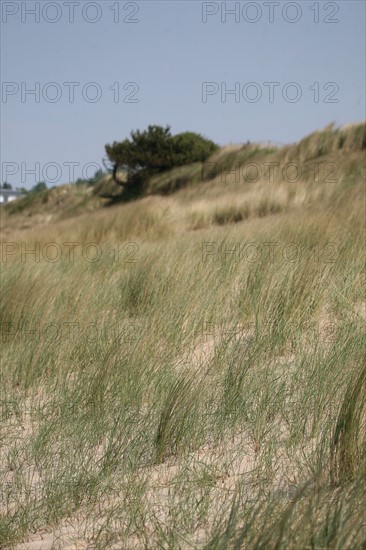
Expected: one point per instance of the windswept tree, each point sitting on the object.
(155, 150)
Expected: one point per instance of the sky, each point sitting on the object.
(231, 71)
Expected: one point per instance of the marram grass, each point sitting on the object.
(210, 394)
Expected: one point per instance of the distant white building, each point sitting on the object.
(7, 195)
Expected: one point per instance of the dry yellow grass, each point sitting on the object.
(208, 394)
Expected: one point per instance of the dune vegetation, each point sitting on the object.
(187, 369)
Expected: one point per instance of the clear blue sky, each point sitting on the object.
(169, 52)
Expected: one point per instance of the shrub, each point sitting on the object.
(39, 187)
(190, 147)
(91, 181)
(155, 150)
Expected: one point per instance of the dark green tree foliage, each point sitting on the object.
(40, 186)
(156, 150)
(6, 185)
(190, 147)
